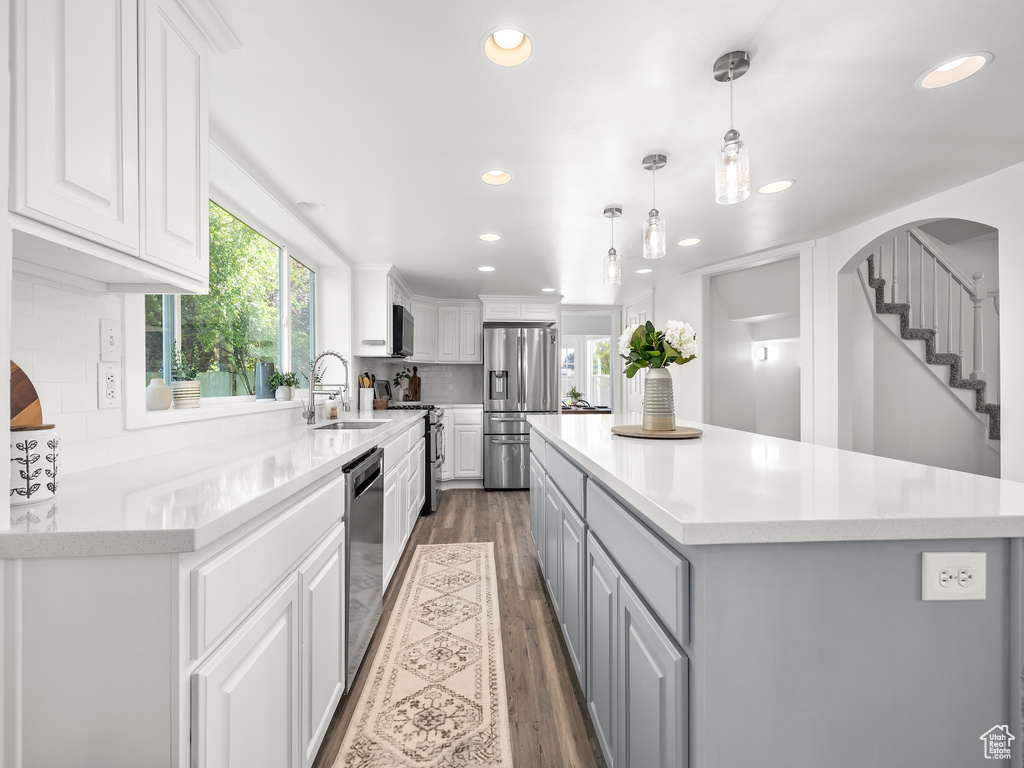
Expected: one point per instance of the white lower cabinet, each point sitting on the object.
(404, 493)
(245, 696)
(469, 451)
(392, 527)
(322, 590)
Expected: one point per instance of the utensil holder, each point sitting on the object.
(365, 399)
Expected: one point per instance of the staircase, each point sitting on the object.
(971, 289)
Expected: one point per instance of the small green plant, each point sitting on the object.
(278, 379)
(183, 369)
(574, 394)
(318, 374)
(401, 376)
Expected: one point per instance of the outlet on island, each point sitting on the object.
(953, 576)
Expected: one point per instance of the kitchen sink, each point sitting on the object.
(356, 424)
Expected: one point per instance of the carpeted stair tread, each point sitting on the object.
(927, 335)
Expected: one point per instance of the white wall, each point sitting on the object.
(994, 200)
(731, 400)
(777, 391)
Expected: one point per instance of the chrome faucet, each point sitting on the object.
(311, 413)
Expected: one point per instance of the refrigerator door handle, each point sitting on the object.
(523, 372)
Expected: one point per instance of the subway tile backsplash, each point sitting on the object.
(55, 338)
(441, 382)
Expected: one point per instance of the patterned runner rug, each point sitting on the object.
(436, 697)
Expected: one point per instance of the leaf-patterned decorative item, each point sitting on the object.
(35, 464)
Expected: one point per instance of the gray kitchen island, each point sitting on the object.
(742, 600)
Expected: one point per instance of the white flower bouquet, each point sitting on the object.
(645, 347)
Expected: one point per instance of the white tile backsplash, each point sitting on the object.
(55, 339)
(440, 382)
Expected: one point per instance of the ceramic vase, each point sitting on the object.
(284, 393)
(186, 394)
(158, 396)
(659, 409)
(35, 465)
(263, 373)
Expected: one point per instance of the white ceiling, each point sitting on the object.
(388, 112)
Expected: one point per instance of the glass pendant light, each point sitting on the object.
(612, 262)
(732, 162)
(654, 228)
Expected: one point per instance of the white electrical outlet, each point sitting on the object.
(108, 385)
(953, 576)
(110, 341)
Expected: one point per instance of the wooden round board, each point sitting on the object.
(25, 408)
(679, 433)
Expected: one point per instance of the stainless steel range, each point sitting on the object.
(435, 451)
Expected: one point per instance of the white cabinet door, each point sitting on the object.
(420, 457)
(412, 510)
(403, 504)
(174, 140)
(76, 118)
(447, 334)
(469, 452)
(392, 499)
(471, 331)
(424, 317)
(539, 310)
(322, 590)
(502, 310)
(252, 678)
(446, 443)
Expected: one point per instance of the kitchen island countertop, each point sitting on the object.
(733, 487)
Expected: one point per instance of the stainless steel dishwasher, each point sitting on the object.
(364, 555)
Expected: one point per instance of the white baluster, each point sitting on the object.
(910, 286)
(980, 294)
(935, 298)
(895, 261)
(920, 315)
(949, 313)
(962, 292)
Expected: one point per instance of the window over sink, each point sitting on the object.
(260, 308)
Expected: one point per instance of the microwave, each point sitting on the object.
(401, 331)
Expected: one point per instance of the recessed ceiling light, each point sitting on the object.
(776, 186)
(508, 47)
(486, 269)
(496, 178)
(644, 271)
(310, 206)
(549, 290)
(689, 241)
(489, 237)
(954, 70)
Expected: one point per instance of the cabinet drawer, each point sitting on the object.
(225, 588)
(660, 575)
(468, 416)
(567, 477)
(537, 446)
(396, 448)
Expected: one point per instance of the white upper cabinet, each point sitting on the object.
(173, 68)
(459, 332)
(376, 288)
(424, 317)
(76, 118)
(471, 332)
(110, 182)
(448, 336)
(526, 308)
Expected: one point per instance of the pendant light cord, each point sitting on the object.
(732, 124)
(654, 188)
(613, 231)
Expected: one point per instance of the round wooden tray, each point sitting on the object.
(679, 433)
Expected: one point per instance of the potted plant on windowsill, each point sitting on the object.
(283, 385)
(184, 378)
(574, 396)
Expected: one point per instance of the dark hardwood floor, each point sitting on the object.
(547, 713)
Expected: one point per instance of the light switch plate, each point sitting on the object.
(110, 341)
(953, 576)
(108, 385)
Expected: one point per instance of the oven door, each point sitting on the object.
(506, 461)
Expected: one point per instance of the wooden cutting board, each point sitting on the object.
(26, 409)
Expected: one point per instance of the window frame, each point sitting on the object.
(133, 323)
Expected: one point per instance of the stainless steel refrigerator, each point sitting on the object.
(521, 377)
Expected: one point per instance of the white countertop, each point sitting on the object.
(732, 487)
(182, 501)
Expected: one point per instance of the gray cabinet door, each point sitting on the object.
(653, 681)
(536, 503)
(572, 564)
(602, 593)
(552, 544)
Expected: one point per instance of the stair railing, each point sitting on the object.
(959, 290)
